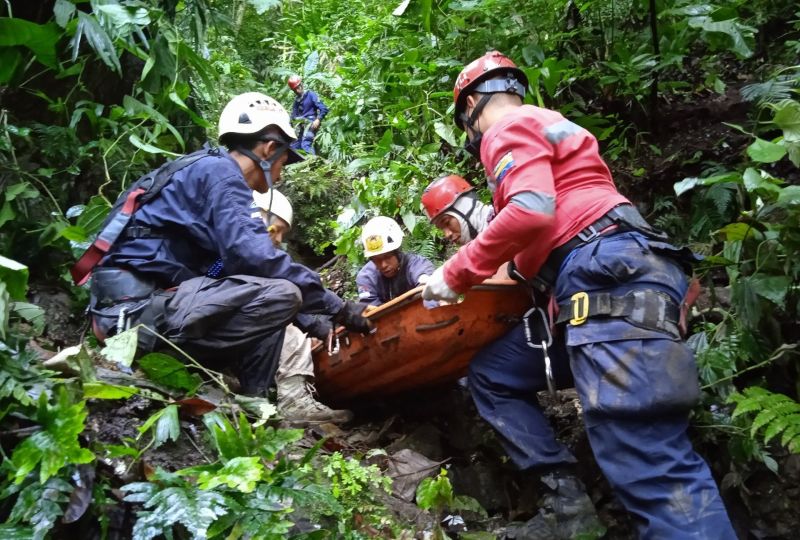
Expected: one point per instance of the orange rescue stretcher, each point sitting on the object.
(412, 346)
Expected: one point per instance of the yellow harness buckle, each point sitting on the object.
(580, 308)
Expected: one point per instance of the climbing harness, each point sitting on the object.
(116, 224)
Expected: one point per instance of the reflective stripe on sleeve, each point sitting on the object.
(538, 202)
(560, 131)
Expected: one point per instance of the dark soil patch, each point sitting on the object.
(692, 138)
(64, 321)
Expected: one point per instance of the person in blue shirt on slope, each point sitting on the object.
(307, 113)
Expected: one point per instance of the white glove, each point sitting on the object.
(423, 279)
(437, 288)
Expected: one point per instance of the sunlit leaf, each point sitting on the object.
(15, 276)
(121, 348)
(97, 38)
(98, 390)
(765, 151)
(240, 473)
(63, 11)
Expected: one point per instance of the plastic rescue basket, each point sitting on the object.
(412, 346)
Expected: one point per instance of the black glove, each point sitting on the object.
(350, 317)
(320, 327)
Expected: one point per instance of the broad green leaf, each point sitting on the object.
(262, 408)
(738, 33)
(93, 215)
(41, 39)
(15, 276)
(787, 117)
(98, 390)
(176, 99)
(33, 314)
(63, 11)
(358, 164)
(445, 131)
(789, 195)
(410, 221)
(239, 473)
(149, 148)
(738, 231)
(755, 180)
(170, 372)
(121, 348)
(764, 151)
(312, 61)
(690, 183)
(124, 18)
(6, 213)
(773, 288)
(10, 60)
(463, 502)
(74, 233)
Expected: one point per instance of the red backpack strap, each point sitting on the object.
(688, 301)
(110, 233)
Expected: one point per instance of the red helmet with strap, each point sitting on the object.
(489, 66)
(442, 193)
(293, 81)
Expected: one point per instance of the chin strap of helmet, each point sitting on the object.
(473, 145)
(266, 164)
(509, 85)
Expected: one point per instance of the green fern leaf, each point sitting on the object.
(762, 419)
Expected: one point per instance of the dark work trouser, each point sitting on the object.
(504, 378)
(236, 322)
(637, 386)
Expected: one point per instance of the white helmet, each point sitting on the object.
(381, 235)
(279, 206)
(251, 112)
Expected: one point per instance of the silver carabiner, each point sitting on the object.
(529, 337)
(548, 372)
(123, 323)
(543, 344)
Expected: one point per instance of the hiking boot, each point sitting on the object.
(565, 511)
(298, 406)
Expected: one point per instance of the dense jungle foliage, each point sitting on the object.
(696, 105)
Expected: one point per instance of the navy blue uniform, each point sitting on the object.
(199, 224)
(636, 385)
(307, 107)
(374, 289)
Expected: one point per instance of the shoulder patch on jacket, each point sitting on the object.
(500, 170)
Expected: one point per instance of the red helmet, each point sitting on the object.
(488, 66)
(293, 81)
(442, 193)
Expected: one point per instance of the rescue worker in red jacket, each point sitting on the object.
(618, 285)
